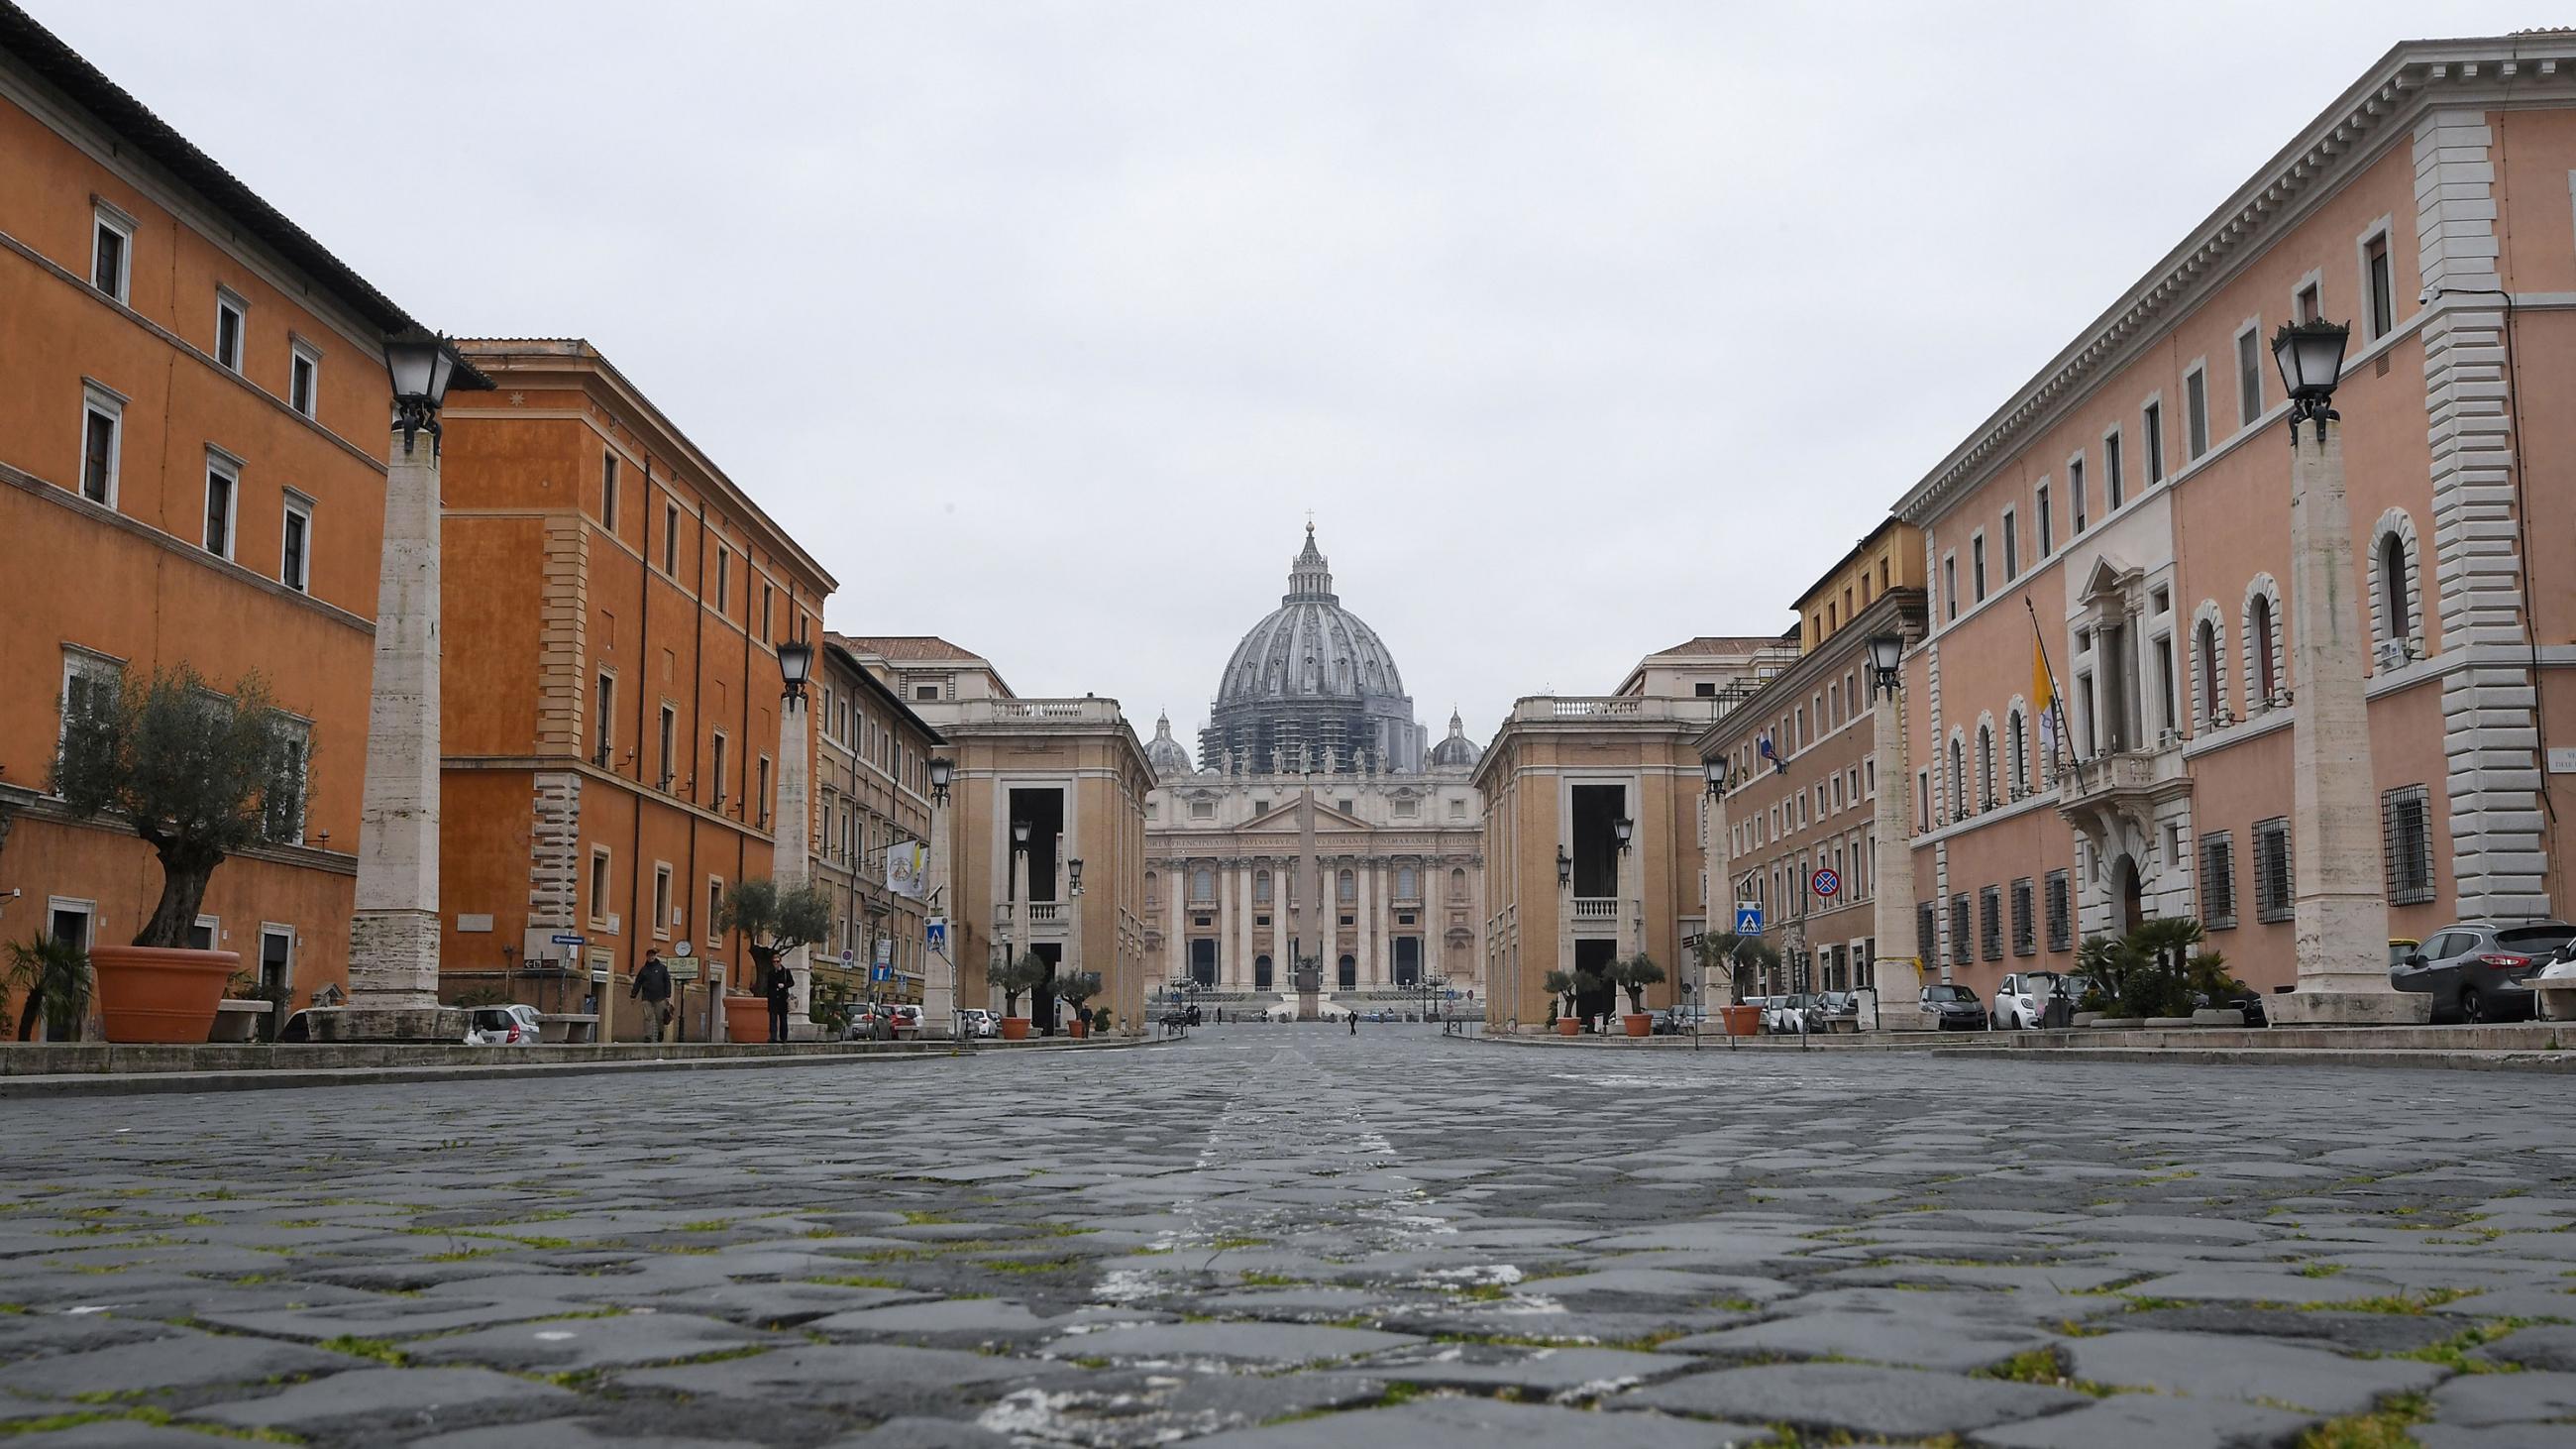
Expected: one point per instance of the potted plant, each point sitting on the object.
(1738, 958)
(1016, 979)
(1077, 988)
(1633, 975)
(199, 777)
(50, 978)
(1561, 987)
(774, 920)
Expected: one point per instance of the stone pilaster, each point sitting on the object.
(1898, 971)
(2491, 737)
(554, 865)
(562, 635)
(393, 936)
(2340, 910)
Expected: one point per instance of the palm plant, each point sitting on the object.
(51, 979)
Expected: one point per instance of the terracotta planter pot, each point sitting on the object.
(1015, 1028)
(1568, 1026)
(1078, 1029)
(1638, 1025)
(160, 993)
(746, 1018)
(1741, 1020)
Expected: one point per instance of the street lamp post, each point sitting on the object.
(393, 932)
(2339, 907)
(1896, 972)
(793, 825)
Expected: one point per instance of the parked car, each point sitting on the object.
(2022, 1000)
(975, 1021)
(1672, 1021)
(502, 1026)
(1790, 1012)
(2481, 970)
(1835, 1011)
(1955, 1007)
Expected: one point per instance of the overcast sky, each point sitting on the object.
(1582, 328)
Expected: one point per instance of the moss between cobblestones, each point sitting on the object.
(2382, 1428)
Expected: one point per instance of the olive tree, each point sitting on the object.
(775, 919)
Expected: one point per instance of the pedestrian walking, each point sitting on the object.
(782, 987)
(653, 987)
(1355, 1023)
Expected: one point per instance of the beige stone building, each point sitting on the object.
(1321, 827)
(1592, 825)
(1801, 775)
(1040, 845)
(872, 826)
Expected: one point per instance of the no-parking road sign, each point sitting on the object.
(1826, 882)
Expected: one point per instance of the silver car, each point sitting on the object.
(503, 1026)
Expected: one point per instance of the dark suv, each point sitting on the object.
(1954, 1008)
(2480, 970)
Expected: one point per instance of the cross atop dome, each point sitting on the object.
(1310, 577)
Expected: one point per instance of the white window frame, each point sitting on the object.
(229, 468)
(602, 881)
(2044, 507)
(2151, 433)
(2081, 518)
(1950, 588)
(665, 909)
(302, 730)
(2382, 231)
(2115, 472)
(259, 963)
(228, 300)
(2251, 327)
(715, 909)
(718, 752)
(670, 536)
(2010, 530)
(79, 906)
(297, 506)
(80, 663)
(724, 577)
(97, 397)
(104, 217)
(2195, 448)
(668, 741)
(300, 353)
(2316, 278)
(213, 926)
(1977, 567)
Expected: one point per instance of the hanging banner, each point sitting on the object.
(906, 863)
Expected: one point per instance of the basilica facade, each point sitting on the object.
(1324, 854)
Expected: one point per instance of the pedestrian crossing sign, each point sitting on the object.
(1748, 918)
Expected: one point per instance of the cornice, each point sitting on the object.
(2375, 113)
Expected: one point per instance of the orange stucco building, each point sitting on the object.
(194, 414)
(611, 719)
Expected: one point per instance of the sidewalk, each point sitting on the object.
(88, 1069)
(2532, 1046)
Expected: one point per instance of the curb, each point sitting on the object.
(2417, 1058)
(257, 1079)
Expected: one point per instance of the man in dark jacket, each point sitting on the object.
(653, 987)
(782, 988)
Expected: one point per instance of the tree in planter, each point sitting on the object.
(1017, 979)
(50, 978)
(1562, 986)
(1740, 957)
(1588, 982)
(775, 919)
(1633, 975)
(1076, 988)
(199, 776)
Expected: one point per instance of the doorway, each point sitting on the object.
(1042, 996)
(1347, 973)
(2129, 892)
(1043, 809)
(1598, 998)
(1203, 961)
(1261, 973)
(1408, 960)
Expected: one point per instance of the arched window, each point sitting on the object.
(2017, 754)
(1985, 767)
(1958, 778)
(1457, 885)
(1350, 887)
(1261, 887)
(2395, 605)
(2258, 628)
(1150, 881)
(2204, 648)
(1203, 885)
(1406, 883)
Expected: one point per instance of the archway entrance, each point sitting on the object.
(1347, 974)
(1261, 973)
(1042, 997)
(1599, 998)
(2129, 893)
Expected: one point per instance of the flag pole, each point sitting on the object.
(2056, 696)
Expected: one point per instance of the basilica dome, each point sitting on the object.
(1311, 676)
(1169, 757)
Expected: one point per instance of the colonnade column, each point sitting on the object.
(1241, 973)
(1224, 924)
(1368, 977)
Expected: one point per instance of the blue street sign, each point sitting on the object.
(1748, 919)
(880, 973)
(1826, 882)
(567, 940)
(935, 934)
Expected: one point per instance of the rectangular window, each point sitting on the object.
(715, 909)
(2381, 286)
(1977, 567)
(1926, 947)
(2061, 911)
(670, 538)
(2272, 877)
(766, 597)
(724, 577)
(598, 884)
(1923, 800)
(603, 709)
(303, 378)
(2012, 546)
(2047, 525)
(2218, 881)
(760, 792)
(90, 685)
(111, 254)
(2249, 378)
(1959, 949)
(2025, 932)
(670, 741)
(1990, 923)
(2406, 844)
(662, 913)
(2195, 412)
(283, 820)
(2307, 304)
(722, 745)
(2151, 430)
(102, 438)
(2167, 720)
(1950, 586)
(295, 547)
(2075, 489)
(2115, 479)
(223, 483)
(228, 331)
(608, 489)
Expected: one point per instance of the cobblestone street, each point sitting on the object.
(1288, 1236)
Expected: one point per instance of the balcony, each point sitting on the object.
(1044, 713)
(1596, 908)
(1614, 709)
(2112, 799)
